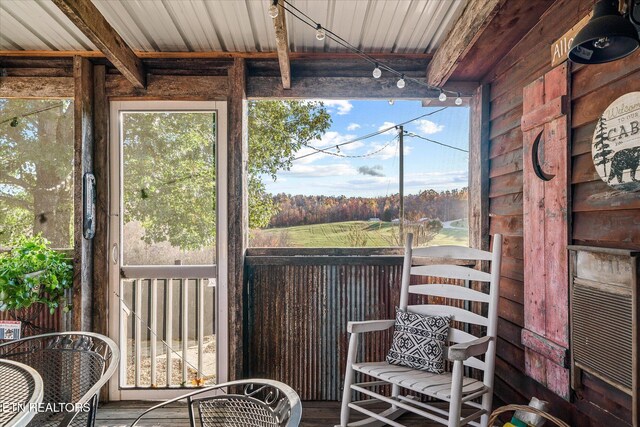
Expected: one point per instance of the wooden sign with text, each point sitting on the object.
(560, 48)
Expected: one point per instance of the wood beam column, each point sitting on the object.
(479, 169)
(479, 238)
(101, 172)
(90, 21)
(238, 220)
(82, 163)
(475, 19)
(282, 44)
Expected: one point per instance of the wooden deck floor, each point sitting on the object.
(314, 414)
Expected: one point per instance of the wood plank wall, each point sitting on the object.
(601, 216)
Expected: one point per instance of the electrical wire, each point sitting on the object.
(370, 135)
(372, 153)
(413, 135)
(51, 107)
(307, 20)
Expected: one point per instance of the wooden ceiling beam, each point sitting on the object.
(294, 56)
(282, 44)
(336, 88)
(36, 87)
(474, 20)
(90, 21)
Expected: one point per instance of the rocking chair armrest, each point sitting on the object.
(465, 350)
(369, 325)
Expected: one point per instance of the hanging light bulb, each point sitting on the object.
(320, 34)
(273, 9)
(391, 102)
(443, 96)
(458, 100)
(401, 82)
(377, 72)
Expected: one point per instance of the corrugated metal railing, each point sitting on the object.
(298, 304)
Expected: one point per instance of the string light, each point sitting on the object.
(458, 100)
(14, 121)
(273, 9)
(321, 33)
(337, 154)
(360, 138)
(401, 83)
(377, 72)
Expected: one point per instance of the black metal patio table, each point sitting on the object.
(21, 390)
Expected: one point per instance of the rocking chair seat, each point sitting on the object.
(436, 385)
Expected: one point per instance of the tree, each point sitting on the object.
(169, 168)
(169, 177)
(277, 130)
(36, 170)
(603, 150)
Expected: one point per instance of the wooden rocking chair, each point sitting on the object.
(452, 387)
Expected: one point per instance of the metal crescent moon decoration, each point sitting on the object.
(537, 168)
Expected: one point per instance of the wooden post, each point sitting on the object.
(82, 163)
(479, 237)
(479, 169)
(282, 44)
(101, 171)
(238, 212)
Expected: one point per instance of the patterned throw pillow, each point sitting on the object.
(419, 341)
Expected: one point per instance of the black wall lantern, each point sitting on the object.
(608, 35)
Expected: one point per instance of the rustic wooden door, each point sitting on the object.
(546, 167)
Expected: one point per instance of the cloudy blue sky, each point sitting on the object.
(427, 165)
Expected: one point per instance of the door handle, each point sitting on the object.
(114, 253)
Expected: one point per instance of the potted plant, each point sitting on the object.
(32, 274)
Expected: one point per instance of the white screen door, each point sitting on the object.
(168, 246)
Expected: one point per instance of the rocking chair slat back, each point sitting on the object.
(449, 291)
(457, 314)
(447, 271)
(458, 336)
(452, 252)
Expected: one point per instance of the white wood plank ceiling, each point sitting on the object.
(375, 26)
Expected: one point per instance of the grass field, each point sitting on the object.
(363, 233)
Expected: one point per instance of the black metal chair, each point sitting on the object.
(242, 403)
(73, 366)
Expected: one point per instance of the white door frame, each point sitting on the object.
(115, 252)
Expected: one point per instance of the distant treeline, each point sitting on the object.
(303, 210)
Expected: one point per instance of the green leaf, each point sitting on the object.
(20, 292)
